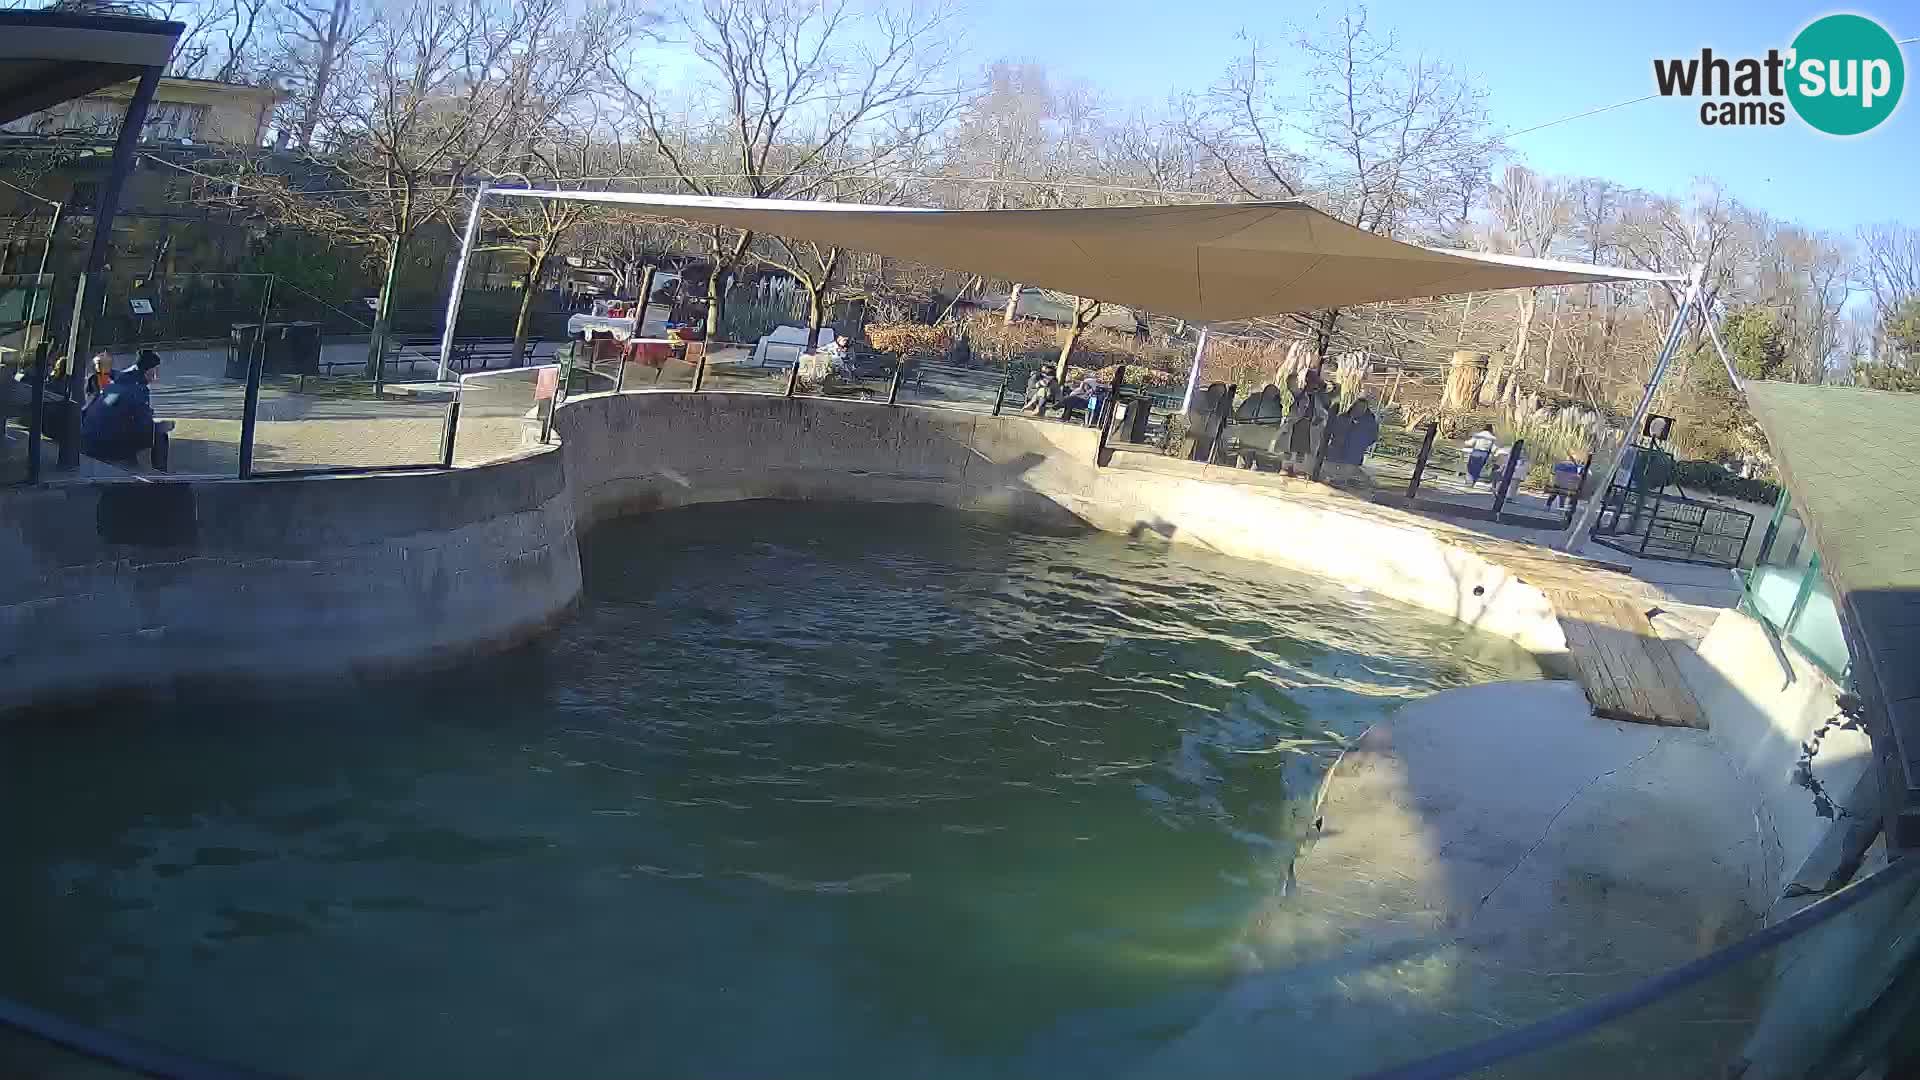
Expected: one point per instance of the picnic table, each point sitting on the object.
(618, 329)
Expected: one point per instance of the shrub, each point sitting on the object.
(1716, 479)
(750, 318)
(1551, 437)
(909, 340)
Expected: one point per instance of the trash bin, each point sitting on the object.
(302, 352)
(240, 344)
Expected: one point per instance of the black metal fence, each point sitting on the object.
(1659, 525)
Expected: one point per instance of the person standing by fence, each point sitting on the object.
(1479, 447)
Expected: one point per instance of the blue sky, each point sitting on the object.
(1539, 62)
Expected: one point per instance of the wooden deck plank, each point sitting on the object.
(1627, 671)
(1626, 700)
(1672, 700)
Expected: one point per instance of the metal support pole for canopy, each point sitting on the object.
(1577, 535)
(460, 279)
(1193, 377)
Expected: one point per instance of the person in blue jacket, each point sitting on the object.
(118, 423)
(1355, 432)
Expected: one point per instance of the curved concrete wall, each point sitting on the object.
(635, 452)
(122, 586)
(132, 585)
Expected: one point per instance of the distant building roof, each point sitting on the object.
(1851, 459)
(47, 57)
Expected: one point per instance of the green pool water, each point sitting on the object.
(802, 791)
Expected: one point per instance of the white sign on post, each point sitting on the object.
(141, 307)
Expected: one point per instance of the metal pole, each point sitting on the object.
(893, 388)
(1220, 423)
(41, 287)
(646, 295)
(1320, 453)
(1001, 397)
(793, 378)
(460, 279)
(699, 368)
(1506, 476)
(1108, 409)
(256, 364)
(1193, 377)
(1420, 463)
(1576, 536)
(447, 436)
(1579, 486)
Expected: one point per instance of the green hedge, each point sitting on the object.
(1711, 477)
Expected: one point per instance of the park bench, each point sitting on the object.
(415, 349)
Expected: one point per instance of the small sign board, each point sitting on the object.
(547, 384)
(140, 307)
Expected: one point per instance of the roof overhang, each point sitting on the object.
(47, 57)
(1844, 455)
(1206, 263)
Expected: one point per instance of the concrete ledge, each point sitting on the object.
(1487, 857)
(113, 588)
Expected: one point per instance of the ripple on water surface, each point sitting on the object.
(805, 790)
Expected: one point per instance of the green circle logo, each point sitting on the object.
(1846, 76)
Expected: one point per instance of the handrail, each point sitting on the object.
(1576, 1022)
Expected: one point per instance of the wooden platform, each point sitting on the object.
(1625, 668)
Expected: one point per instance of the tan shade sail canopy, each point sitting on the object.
(1206, 263)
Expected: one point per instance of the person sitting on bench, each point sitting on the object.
(118, 424)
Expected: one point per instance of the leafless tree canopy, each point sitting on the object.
(394, 109)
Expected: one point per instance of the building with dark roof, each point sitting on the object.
(1848, 596)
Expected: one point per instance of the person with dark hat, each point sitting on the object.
(118, 424)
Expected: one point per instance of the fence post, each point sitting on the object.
(563, 373)
(250, 406)
(1506, 476)
(452, 426)
(37, 401)
(893, 388)
(620, 373)
(1578, 487)
(793, 378)
(1001, 396)
(1107, 410)
(1220, 426)
(1420, 463)
(699, 369)
(1320, 456)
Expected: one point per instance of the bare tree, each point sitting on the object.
(801, 98)
(1529, 214)
(319, 36)
(1890, 270)
(1085, 311)
(421, 106)
(1386, 142)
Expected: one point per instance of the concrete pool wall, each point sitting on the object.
(133, 585)
(122, 586)
(631, 453)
